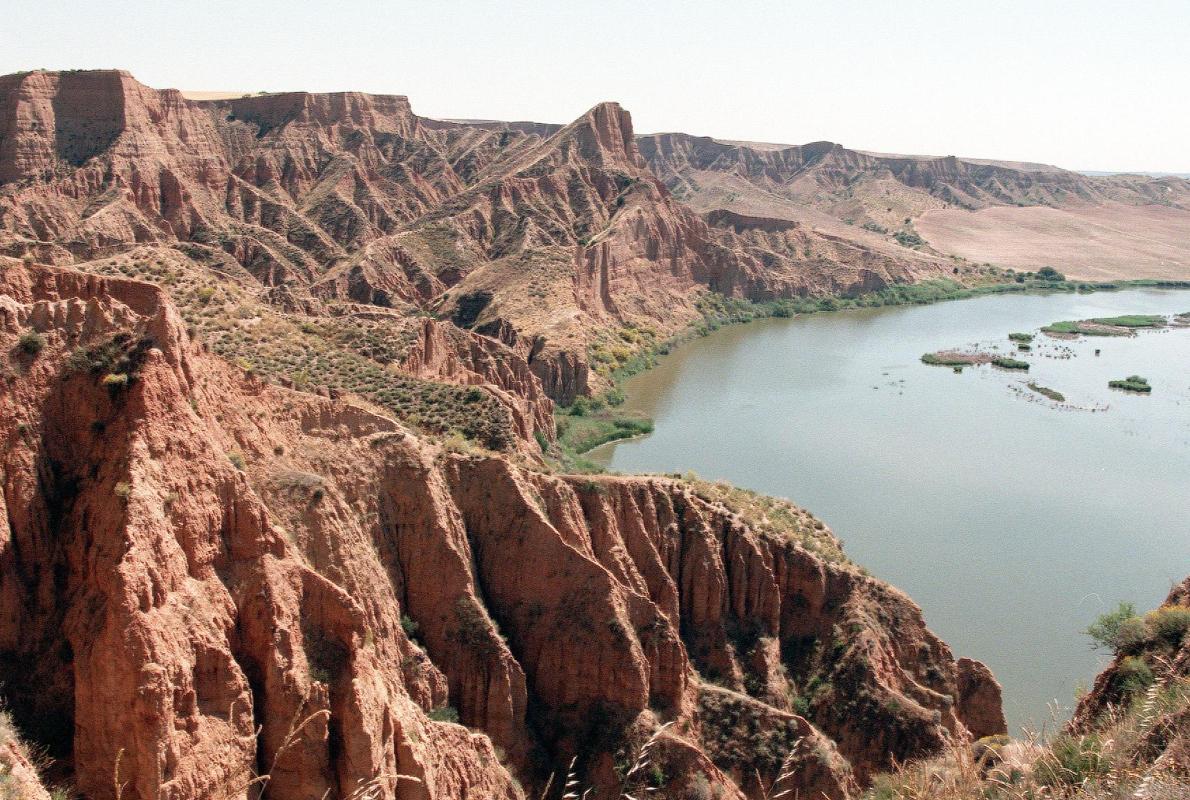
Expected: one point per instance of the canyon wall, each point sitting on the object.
(206, 579)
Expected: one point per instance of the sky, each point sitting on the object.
(1090, 85)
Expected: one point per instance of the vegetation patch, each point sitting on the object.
(771, 516)
(1133, 383)
(1125, 632)
(1133, 321)
(1024, 338)
(31, 343)
(739, 735)
(590, 422)
(955, 358)
(358, 354)
(1004, 362)
(1045, 391)
(1105, 326)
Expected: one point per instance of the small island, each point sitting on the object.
(1004, 362)
(1133, 383)
(1045, 391)
(1021, 338)
(956, 358)
(1125, 325)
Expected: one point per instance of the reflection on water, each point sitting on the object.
(1012, 521)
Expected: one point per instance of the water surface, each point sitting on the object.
(1011, 520)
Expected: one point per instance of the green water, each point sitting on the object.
(1012, 521)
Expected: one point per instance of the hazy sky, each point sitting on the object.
(1086, 85)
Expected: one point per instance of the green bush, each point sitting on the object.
(1071, 761)
(444, 714)
(1169, 623)
(1050, 274)
(580, 407)
(1105, 631)
(31, 342)
(1133, 675)
(409, 625)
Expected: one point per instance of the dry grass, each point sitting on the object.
(1123, 757)
(771, 516)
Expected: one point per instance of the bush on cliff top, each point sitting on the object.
(1117, 630)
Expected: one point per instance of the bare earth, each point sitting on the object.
(1109, 242)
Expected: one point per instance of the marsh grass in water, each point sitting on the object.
(1045, 391)
(1133, 383)
(1004, 362)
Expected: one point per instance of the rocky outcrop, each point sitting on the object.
(443, 352)
(206, 578)
(979, 702)
(162, 617)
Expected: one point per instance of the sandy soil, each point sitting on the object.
(1097, 243)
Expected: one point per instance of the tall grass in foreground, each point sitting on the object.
(1113, 762)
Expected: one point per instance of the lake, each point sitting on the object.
(1013, 521)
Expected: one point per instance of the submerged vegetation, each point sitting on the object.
(1045, 391)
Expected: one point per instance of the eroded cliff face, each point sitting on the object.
(205, 578)
(328, 202)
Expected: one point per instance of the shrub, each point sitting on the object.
(580, 407)
(31, 342)
(444, 714)
(236, 460)
(1169, 623)
(1050, 274)
(1133, 675)
(115, 381)
(409, 625)
(1071, 761)
(1106, 631)
(123, 490)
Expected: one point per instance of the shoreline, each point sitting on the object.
(721, 311)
